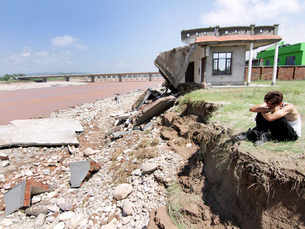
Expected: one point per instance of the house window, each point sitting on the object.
(290, 60)
(222, 63)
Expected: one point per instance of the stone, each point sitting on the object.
(40, 219)
(65, 205)
(36, 199)
(5, 163)
(111, 225)
(149, 167)
(66, 216)
(60, 225)
(53, 208)
(89, 151)
(136, 172)
(122, 191)
(36, 210)
(2, 178)
(127, 208)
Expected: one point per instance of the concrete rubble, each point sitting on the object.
(40, 132)
(20, 195)
(80, 170)
(128, 163)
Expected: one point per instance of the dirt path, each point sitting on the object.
(35, 102)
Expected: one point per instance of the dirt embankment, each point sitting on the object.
(223, 187)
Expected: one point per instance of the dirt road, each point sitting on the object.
(35, 102)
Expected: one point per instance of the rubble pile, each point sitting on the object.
(129, 179)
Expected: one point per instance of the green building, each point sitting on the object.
(288, 55)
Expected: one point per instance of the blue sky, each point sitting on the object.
(122, 35)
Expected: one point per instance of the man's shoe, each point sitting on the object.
(264, 137)
(240, 137)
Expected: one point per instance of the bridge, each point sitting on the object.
(94, 76)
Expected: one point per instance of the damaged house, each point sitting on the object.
(214, 55)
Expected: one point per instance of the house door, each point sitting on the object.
(189, 74)
(203, 60)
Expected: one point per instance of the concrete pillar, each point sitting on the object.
(250, 64)
(276, 53)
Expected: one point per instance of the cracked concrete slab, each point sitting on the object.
(40, 132)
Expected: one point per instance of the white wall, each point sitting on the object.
(238, 66)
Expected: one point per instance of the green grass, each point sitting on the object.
(234, 111)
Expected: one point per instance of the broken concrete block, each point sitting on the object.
(29, 133)
(80, 170)
(154, 109)
(141, 100)
(117, 135)
(20, 195)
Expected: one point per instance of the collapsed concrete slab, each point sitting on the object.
(40, 132)
(80, 170)
(20, 195)
(154, 109)
(149, 94)
(173, 65)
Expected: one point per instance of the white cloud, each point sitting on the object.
(26, 52)
(245, 12)
(63, 41)
(81, 47)
(42, 53)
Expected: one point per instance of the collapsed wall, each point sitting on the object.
(173, 64)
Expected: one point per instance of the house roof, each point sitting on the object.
(258, 40)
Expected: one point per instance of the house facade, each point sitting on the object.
(287, 55)
(214, 55)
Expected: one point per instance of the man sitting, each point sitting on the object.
(275, 120)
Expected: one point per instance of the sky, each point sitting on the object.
(109, 36)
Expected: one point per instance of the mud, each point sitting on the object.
(224, 187)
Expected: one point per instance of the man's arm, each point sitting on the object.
(278, 113)
(263, 108)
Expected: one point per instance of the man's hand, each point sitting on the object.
(262, 108)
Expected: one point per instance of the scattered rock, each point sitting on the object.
(66, 216)
(149, 167)
(2, 178)
(127, 208)
(40, 219)
(65, 204)
(36, 210)
(60, 225)
(122, 191)
(89, 152)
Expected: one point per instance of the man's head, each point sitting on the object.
(273, 98)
